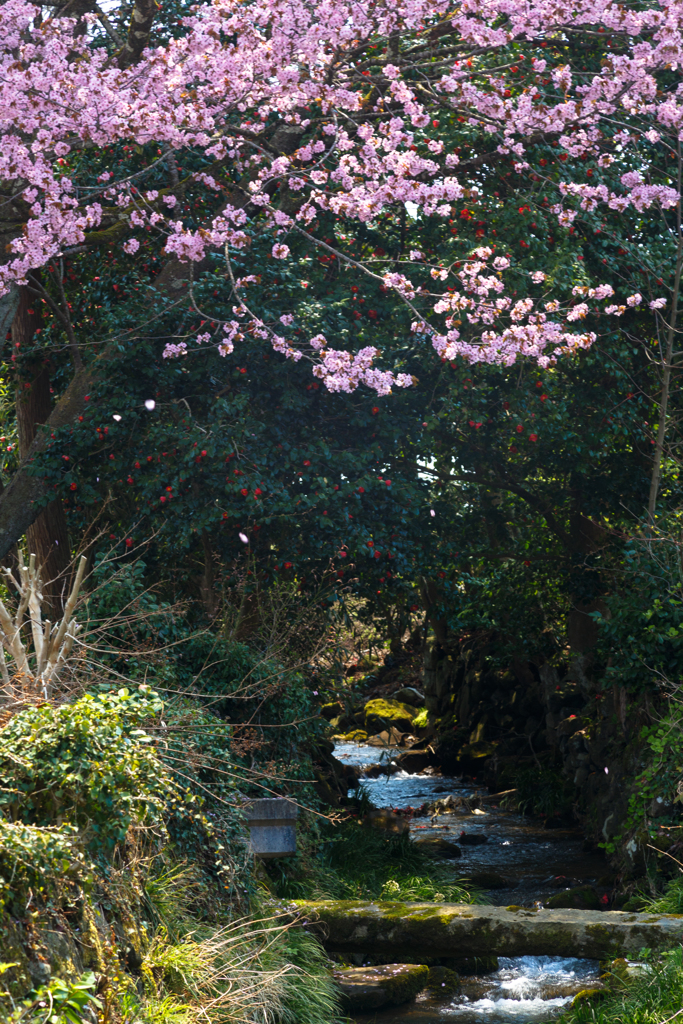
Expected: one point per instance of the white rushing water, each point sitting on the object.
(526, 989)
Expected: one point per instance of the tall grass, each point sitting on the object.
(250, 972)
(358, 862)
(652, 994)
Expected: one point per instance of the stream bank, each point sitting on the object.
(515, 859)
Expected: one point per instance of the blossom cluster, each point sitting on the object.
(236, 67)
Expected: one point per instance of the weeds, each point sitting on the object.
(648, 996)
(540, 791)
(358, 862)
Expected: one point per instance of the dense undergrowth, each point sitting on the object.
(128, 893)
(354, 861)
(647, 992)
(130, 881)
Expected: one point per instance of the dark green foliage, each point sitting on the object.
(88, 763)
(542, 791)
(59, 1002)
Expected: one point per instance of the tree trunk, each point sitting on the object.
(47, 536)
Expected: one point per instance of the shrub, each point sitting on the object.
(88, 763)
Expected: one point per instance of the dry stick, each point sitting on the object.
(672, 1018)
(666, 376)
(651, 847)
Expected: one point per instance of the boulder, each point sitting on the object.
(330, 711)
(471, 839)
(583, 897)
(392, 737)
(409, 695)
(355, 736)
(414, 761)
(434, 846)
(442, 983)
(371, 988)
(383, 714)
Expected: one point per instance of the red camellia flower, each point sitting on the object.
(361, 490)
(375, 410)
(203, 452)
(129, 543)
(342, 554)
(244, 492)
(533, 437)
(519, 428)
(288, 565)
(73, 487)
(307, 462)
(371, 543)
(258, 491)
(129, 480)
(388, 483)
(162, 499)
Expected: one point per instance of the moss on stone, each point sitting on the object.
(370, 988)
(382, 714)
(582, 897)
(442, 983)
(588, 995)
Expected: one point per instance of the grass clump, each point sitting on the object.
(359, 862)
(541, 791)
(650, 995)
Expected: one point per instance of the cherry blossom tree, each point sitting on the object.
(305, 112)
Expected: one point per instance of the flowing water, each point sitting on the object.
(534, 862)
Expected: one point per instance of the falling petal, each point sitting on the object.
(244, 538)
(432, 512)
(116, 417)
(150, 404)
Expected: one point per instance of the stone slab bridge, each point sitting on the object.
(461, 930)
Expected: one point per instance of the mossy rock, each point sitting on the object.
(382, 714)
(583, 897)
(371, 988)
(442, 983)
(355, 736)
(333, 710)
(471, 753)
(588, 996)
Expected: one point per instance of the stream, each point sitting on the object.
(535, 862)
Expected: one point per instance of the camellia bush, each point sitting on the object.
(287, 131)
